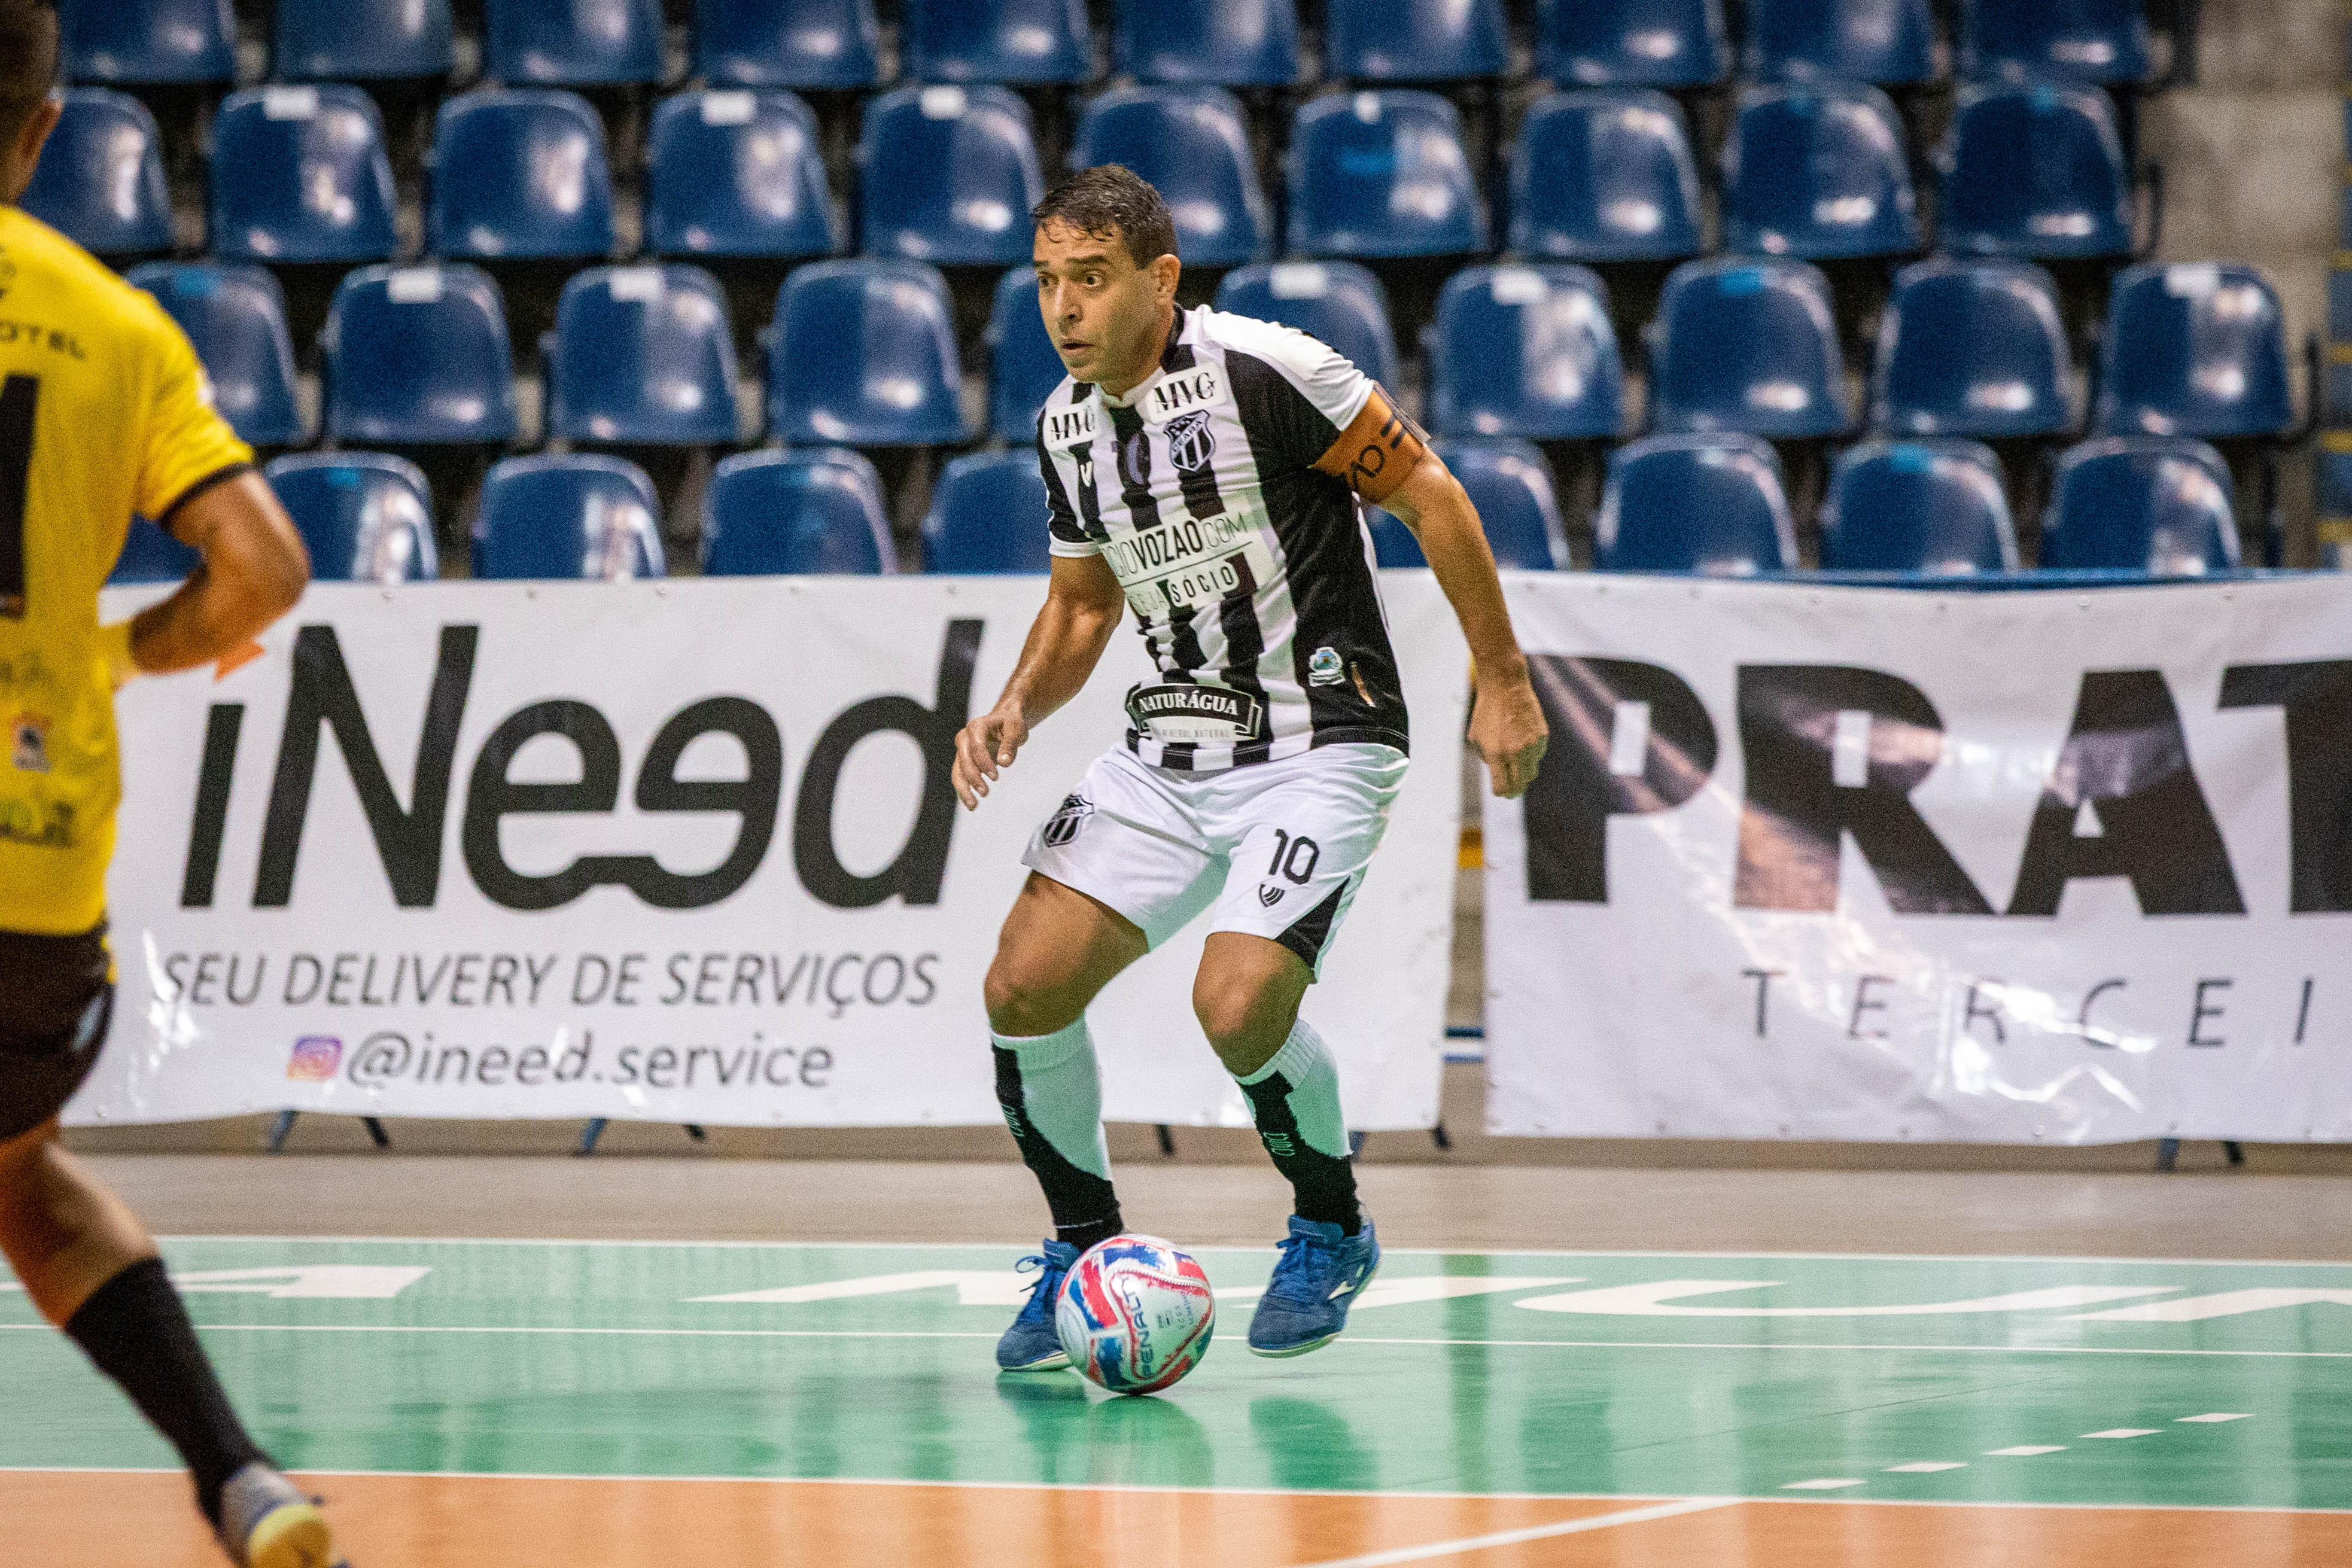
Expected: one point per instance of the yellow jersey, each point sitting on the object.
(104, 412)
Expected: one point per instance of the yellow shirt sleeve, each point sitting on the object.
(187, 442)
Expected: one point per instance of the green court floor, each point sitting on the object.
(1642, 1375)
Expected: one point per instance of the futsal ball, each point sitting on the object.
(1135, 1313)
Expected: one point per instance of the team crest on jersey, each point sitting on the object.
(1269, 894)
(1326, 668)
(1067, 819)
(29, 751)
(1190, 441)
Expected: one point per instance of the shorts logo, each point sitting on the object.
(1064, 824)
(29, 747)
(315, 1057)
(1190, 441)
(1326, 668)
(1269, 894)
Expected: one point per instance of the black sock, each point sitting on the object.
(1323, 1187)
(135, 1328)
(1085, 1207)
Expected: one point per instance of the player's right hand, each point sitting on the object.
(984, 747)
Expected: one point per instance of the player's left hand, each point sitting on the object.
(1506, 725)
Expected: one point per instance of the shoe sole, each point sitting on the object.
(1054, 1362)
(1317, 1345)
(294, 1536)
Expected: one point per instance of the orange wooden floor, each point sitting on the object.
(89, 1520)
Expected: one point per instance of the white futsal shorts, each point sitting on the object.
(1278, 848)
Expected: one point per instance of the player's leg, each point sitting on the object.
(1058, 949)
(1303, 839)
(1115, 870)
(90, 1268)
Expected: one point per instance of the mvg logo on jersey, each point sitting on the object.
(1180, 393)
(1065, 427)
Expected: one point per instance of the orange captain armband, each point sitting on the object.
(1378, 451)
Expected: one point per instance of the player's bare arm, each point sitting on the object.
(253, 572)
(1066, 641)
(1383, 455)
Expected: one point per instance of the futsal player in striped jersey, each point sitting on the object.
(1206, 475)
(103, 411)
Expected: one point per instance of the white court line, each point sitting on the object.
(1347, 1340)
(1389, 1251)
(1532, 1533)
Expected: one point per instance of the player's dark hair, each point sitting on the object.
(28, 60)
(1108, 200)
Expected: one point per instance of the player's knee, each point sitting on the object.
(1022, 1002)
(1238, 1018)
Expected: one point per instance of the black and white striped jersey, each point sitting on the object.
(1250, 572)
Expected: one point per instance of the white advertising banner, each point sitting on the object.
(680, 852)
(2013, 867)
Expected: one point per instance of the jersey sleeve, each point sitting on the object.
(187, 447)
(1068, 535)
(1314, 393)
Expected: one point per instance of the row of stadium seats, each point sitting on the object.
(948, 175)
(1711, 504)
(644, 355)
(837, 43)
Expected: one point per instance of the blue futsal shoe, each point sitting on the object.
(1321, 1273)
(1031, 1344)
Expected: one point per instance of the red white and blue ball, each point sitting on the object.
(1135, 1314)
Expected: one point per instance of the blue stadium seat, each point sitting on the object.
(737, 173)
(573, 43)
(1525, 351)
(519, 175)
(1633, 43)
(299, 175)
(988, 515)
(1929, 506)
(365, 517)
(2139, 503)
(778, 514)
(1023, 367)
(809, 45)
(1208, 42)
(335, 40)
(418, 356)
(1191, 144)
(1382, 174)
(2197, 350)
(1707, 504)
(642, 355)
(150, 555)
(100, 180)
(2036, 173)
(1750, 346)
(1973, 348)
(568, 518)
(1818, 171)
(1014, 41)
(947, 176)
(1604, 176)
(1890, 43)
(2089, 40)
(140, 42)
(1414, 41)
(235, 317)
(1510, 485)
(885, 370)
(1337, 302)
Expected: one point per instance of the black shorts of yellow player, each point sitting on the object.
(56, 1000)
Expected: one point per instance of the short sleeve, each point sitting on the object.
(1069, 536)
(1295, 392)
(188, 447)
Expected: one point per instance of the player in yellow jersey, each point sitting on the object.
(104, 411)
